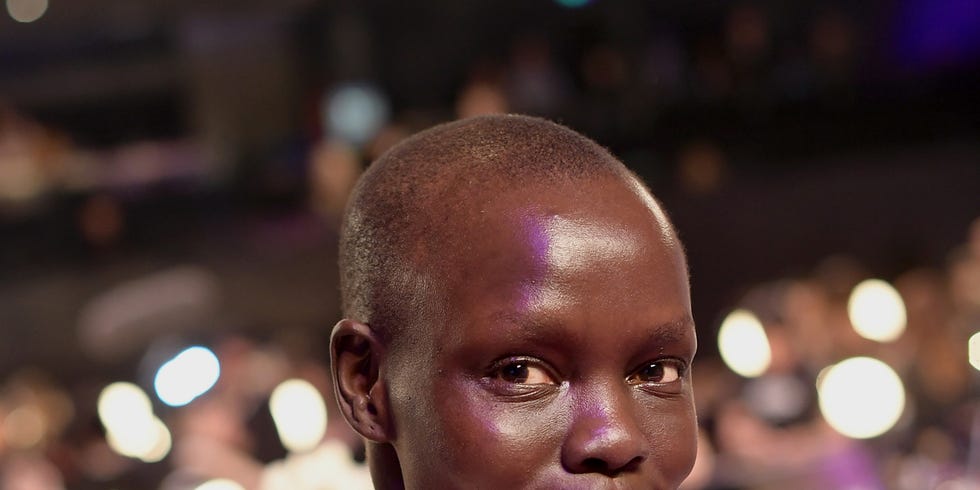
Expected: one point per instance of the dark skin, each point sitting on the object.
(558, 354)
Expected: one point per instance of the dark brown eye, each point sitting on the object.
(516, 372)
(661, 371)
(523, 372)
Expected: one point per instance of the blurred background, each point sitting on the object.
(172, 176)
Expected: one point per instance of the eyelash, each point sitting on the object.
(679, 366)
(496, 371)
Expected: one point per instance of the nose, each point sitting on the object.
(605, 436)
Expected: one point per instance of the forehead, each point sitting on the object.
(579, 255)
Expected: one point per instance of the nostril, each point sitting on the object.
(598, 465)
(595, 465)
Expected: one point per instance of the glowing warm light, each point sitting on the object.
(150, 442)
(124, 405)
(187, 376)
(861, 397)
(974, 350)
(743, 344)
(131, 428)
(27, 10)
(219, 484)
(24, 427)
(877, 311)
(356, 112)
(162, 443)
(299, 413)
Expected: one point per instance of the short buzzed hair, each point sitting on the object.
(399, 217)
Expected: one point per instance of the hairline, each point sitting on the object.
(384, 282)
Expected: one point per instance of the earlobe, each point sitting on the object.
(356, 356)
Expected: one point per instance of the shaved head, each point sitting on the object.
(517, 315)
(404, 215)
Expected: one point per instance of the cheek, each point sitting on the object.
(491, 439)
(673, 437)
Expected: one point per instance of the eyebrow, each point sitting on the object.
(668, 333)
(534, 329)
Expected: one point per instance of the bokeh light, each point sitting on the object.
(24, 427)
(27, 10)
(122, 404)
(743, 344)
(974, 351)
(187, 376)
(219, 484)
(877, 311)
(861, 397)
(356, 112)
(573, 3)
(131, 428)
(299, 413)
(150, 442)
(163, 442)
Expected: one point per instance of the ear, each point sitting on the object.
(356, 357)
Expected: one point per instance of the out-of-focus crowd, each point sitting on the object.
(771, 431)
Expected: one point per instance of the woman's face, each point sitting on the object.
(561, 357)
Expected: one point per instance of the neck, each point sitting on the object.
(385, 468)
